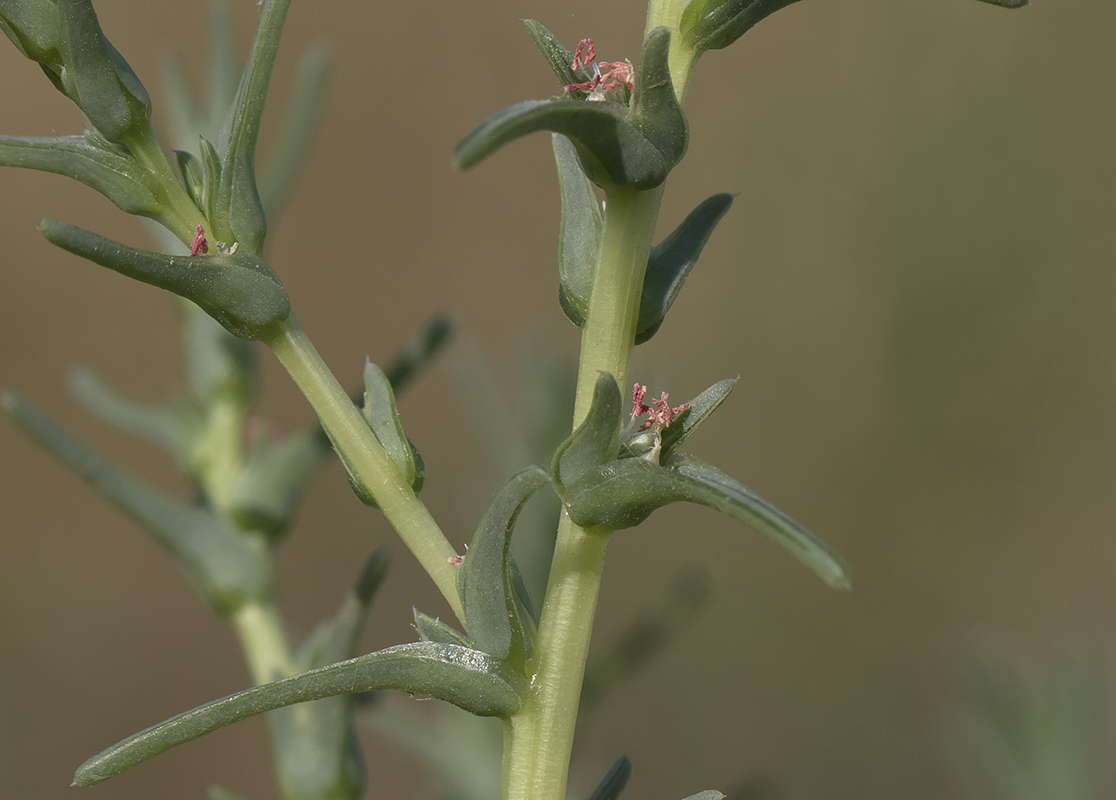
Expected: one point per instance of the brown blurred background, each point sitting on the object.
(915, 284)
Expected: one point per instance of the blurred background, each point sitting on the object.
(915, 285)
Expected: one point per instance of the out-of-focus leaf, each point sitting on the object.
(221, 793)
(700, 408)
(494, 618)
(170, 427)
(238, 212)
(595, 441)
(115, 174)
(467, 678)
(580, 233)
(227, 568)
(237, 289)
(670, 263)
(646, 635)
(339, 638)
(623, 493)
(308, 94)
(420, 352)
(273, 480)
(614, 782)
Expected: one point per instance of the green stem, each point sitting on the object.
(365, 456)
(259, 626)
(536, 762)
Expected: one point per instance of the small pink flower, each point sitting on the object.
(607, 75)
(199, 245)
(658, 413)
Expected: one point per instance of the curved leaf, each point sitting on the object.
(670, 263)
(432, 629)
(238, 290)
(35, 28)
(580, 234)
(109, 171)
(494, 619)
(380, 413)
(614, 782)
(469, 679)
(656, 111)
(624, 493)
(595, 441)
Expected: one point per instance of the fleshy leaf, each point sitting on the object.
(557, 55)
(670, 263)
(193, 178)
(211, 166)
(595, 441)
(467, 678)
(238, 289)
(383, 418)
(226, 568)
(617, 146)
(699, 410)
(35, 28)
(614, 782)
(238, 211)
(708, 794)
(170, 427)
(494, 618)
(109, 171)
(580, 233)
(98, 78)
(273, 479)
(623, 493)
(432, 629)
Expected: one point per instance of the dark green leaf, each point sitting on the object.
(211, 166)
(193, 178)
(615, 781)
(238, 212)
(238, 290)
(595, 441)
(1008, 3)
(469, 679)
(656, 111)
(494, 618)
(431, 629)
(226, 568)
(700, 408)
(170, 427)
(623, 493)
(672, 259)
(612, 150)
(98, 78)
(714, 24)
(580, 233)
(116, 175)
(273, 479)
(383, 418)
(308, 95)
(557, 56)
(35, 27)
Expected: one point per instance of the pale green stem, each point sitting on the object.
(365, 456)
(537, 757)
(259, 626)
